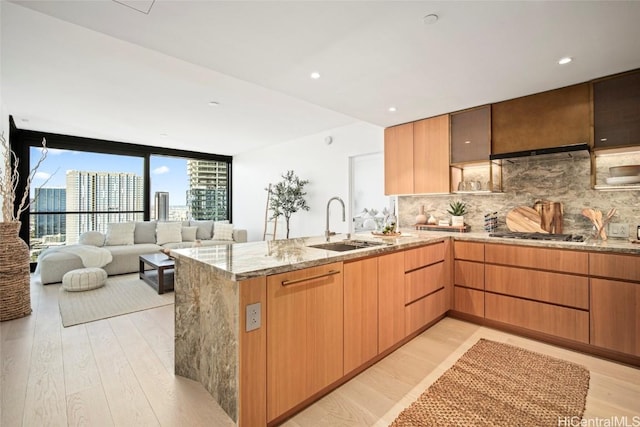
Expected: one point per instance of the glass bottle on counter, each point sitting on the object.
(390, 223)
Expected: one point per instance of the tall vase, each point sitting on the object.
(421, 218)
(15, 292)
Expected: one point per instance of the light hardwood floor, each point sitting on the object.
(119, 371)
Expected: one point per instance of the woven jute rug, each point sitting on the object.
(120, 295)
(495, 384)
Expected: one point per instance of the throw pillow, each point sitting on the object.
(168, 232)
(120, 233)
(145, 232)
(222, 231)
(92, 238)
(205, 229)
(189, 234)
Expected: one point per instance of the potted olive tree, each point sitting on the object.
(287, 197)
(457, 211)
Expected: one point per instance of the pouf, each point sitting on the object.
(84, 279)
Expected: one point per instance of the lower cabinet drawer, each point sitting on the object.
(468, 301)
(547, 318)
(469, 274)
(423, 311)
(555, 288)
(421, 282)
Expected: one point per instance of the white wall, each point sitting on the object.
(325, 166)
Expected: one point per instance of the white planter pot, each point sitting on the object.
(457, 221)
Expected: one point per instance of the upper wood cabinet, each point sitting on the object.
(471, 135)
(548, 119)
(398, 159)
(616, 111)
(431, 155)
(416, 157)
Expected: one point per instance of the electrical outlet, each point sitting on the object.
(253, 314)
(618, 230)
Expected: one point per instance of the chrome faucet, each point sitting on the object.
(328, 233)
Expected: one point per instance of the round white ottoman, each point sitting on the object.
(84, 279)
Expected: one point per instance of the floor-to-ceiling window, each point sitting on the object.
(84, 184)
(78, 191)
(188, 188)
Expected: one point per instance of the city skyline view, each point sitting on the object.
(167, 173)
(75, 192)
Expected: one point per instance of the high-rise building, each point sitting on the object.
(162, 205)
(207, 196)
(106, 196)
(46, 225)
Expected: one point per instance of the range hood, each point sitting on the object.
(576, 151)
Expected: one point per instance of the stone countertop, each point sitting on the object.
(242, 261)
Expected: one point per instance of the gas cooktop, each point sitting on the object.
(538, 236)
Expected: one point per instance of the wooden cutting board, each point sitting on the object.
(524, 219)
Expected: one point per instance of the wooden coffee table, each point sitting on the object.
(160, 276)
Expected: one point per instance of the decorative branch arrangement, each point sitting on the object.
(9, 182)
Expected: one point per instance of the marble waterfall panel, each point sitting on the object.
(206, 331)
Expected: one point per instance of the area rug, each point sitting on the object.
(120, 295)
(495, 384)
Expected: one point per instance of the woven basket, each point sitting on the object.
(15, 293)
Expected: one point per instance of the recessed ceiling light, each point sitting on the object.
(430, 19)
(213, 103)
(565, 60)
(164, 135)
(315, 75)
(392, 109)
(467, 142)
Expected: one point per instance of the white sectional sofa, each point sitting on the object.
(126, 241)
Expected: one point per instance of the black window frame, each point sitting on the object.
(22, 140)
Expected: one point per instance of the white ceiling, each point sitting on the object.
(138, 75)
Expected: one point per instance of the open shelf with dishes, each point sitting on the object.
(476, 178)
(616, 169)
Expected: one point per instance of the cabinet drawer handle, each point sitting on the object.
(293, 282)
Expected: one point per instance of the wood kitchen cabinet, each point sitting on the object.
(615, 302)
(398, 159)
(360, 312)
(615, 315)
(390, 300)
(425, 279)
(541, 289)
(416, 157)
(616, 111)
(304, 335)
(471, 135)
(548, 119)
(431, 155)
(468, 274)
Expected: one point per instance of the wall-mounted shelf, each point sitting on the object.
(478, 193)
(630, 187)
(486, 176)
(604, 159)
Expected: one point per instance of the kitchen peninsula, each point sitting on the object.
(268, 327)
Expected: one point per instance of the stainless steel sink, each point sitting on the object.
(347, 245)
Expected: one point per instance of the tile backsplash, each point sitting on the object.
(524, 182)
